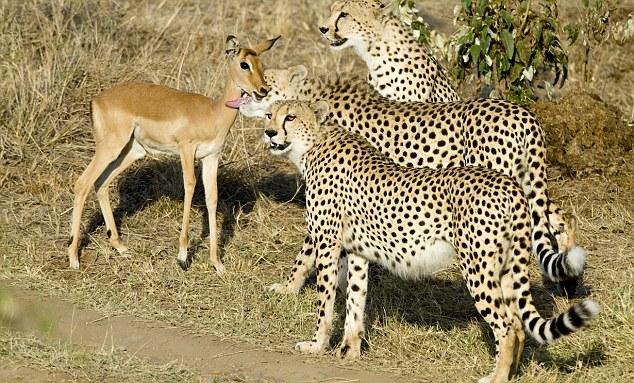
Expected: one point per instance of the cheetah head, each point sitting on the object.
(292, 127)
(284, 85)
(353, 23)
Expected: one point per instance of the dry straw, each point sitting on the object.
(55, 56)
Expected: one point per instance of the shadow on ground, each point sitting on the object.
(238, 190)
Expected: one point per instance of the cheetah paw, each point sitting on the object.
(347, 351)
(309, 347)
(281, 288)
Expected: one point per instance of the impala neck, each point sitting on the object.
(230, 92)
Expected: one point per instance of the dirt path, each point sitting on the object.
(159, 344)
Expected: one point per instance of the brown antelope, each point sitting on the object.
(133, 119)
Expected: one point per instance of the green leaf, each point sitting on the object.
(474, 51)
(483, 68)
(482, 6)
(507, 40)
(466, 5)
(508, 19)
(584, 3)
(521, 51)
(516, 72)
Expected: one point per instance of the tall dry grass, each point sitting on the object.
(56, 55)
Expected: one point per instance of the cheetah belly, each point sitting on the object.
(428, 258)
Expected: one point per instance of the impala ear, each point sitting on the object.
(265, 45)
(321, 109)
(297, 73)
(232, 46)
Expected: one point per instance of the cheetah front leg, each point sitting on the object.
(327, 255)
(304, 265)
(355, 306)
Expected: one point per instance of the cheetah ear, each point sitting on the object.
(321, 109)
(297, 73)
(387, 8)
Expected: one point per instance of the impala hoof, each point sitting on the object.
(74, 264)
(220, 269)
(184, 264)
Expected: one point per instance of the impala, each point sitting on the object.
(133, 119)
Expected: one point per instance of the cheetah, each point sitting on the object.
(413, 222)
(399, 67)
(491, 133)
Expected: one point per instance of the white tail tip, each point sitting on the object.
(576, 260)
(592, 308)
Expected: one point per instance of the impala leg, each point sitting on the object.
(134, 153)
(210, 182)
(97, 166)
(189, 182)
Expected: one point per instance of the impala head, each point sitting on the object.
(354, 23)
(285, 84)
(293, 127)
(245, 69)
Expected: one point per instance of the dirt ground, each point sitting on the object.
(158, 343)
(139, 318)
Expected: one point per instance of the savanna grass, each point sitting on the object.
(55, 56)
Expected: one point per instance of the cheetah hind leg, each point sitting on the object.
(499, 316)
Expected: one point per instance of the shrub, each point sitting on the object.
(502, 43)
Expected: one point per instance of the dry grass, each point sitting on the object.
(70, 364)
(56, 55)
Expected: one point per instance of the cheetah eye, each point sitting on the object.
(289, 118)
(244, 65)
(343, 14)
(268, 116)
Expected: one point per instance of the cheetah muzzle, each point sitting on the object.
(338, 43)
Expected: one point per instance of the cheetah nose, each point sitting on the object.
(264, 91)
(323, 30)
(270, 133)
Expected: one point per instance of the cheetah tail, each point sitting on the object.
(558, 265)
(549, 330)
(542, 330)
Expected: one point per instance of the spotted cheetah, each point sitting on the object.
(399, 67)
(414, 222)
(496, 134)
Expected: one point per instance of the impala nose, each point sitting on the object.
(323, 30)
(270, 133)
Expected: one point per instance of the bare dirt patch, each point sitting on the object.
(163, 345)
(584, 133)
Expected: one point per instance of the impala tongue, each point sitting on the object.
(238, 102)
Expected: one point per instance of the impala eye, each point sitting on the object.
(290, 117)
(244, 65)
(268, 116)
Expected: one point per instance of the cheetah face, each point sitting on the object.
(283, 83)
(352, 23)
(292, 127)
